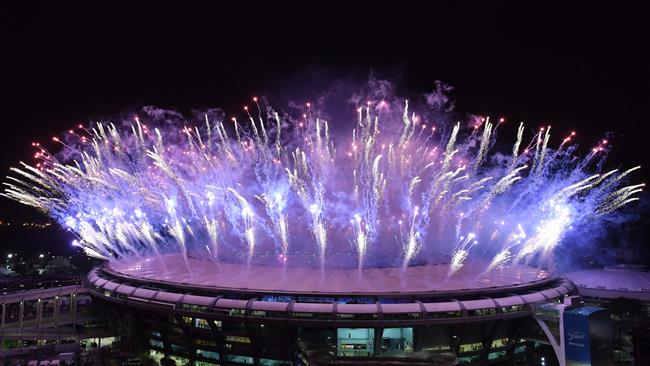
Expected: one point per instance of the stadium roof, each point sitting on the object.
(627, 281)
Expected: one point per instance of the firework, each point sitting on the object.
(392, 188)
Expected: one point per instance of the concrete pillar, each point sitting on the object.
(39, 313)
(557, 344)
(217, 336)
(55, 315)
(20, 314)
(455, 338)
(379, 335)
(2, 325)
(73, 310)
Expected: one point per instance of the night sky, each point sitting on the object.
(584, 67)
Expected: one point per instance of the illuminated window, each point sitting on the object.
(156, 355)
(470, 347)
(499, 343)
(495, 355)
(235, 312)
(201, 363)
(238, 339)
(202, 342)
(355, 341)
(397, 340)
(270, 362)
(180, 360)
(245, 360)
(201, 323)
(207, 354)
(436, 348)
(178, 348)
(156, 343)
(302, 315)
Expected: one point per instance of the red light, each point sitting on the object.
(501, 120)
(82, 126)
(573, 133)
(255, 99)
(308, 105)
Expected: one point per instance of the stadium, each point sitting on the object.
(225, 314)
(280, 242)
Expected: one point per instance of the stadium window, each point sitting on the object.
(244, 360)
(238, 339)
(201, 323)
(498, 343)
(155, 333)
(355, 341)
(203, 342)
(207, 354)
(397, 340)
(271, 362)
(470, 347)
(178, 348)
(156, 343)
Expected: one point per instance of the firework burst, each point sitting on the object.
(392, 186)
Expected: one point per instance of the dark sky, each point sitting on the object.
(582, 67)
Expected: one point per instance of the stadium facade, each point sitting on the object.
(195, 312)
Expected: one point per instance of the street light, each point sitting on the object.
(9, 256)
(41, 256)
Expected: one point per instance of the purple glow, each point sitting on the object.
(392, 191)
